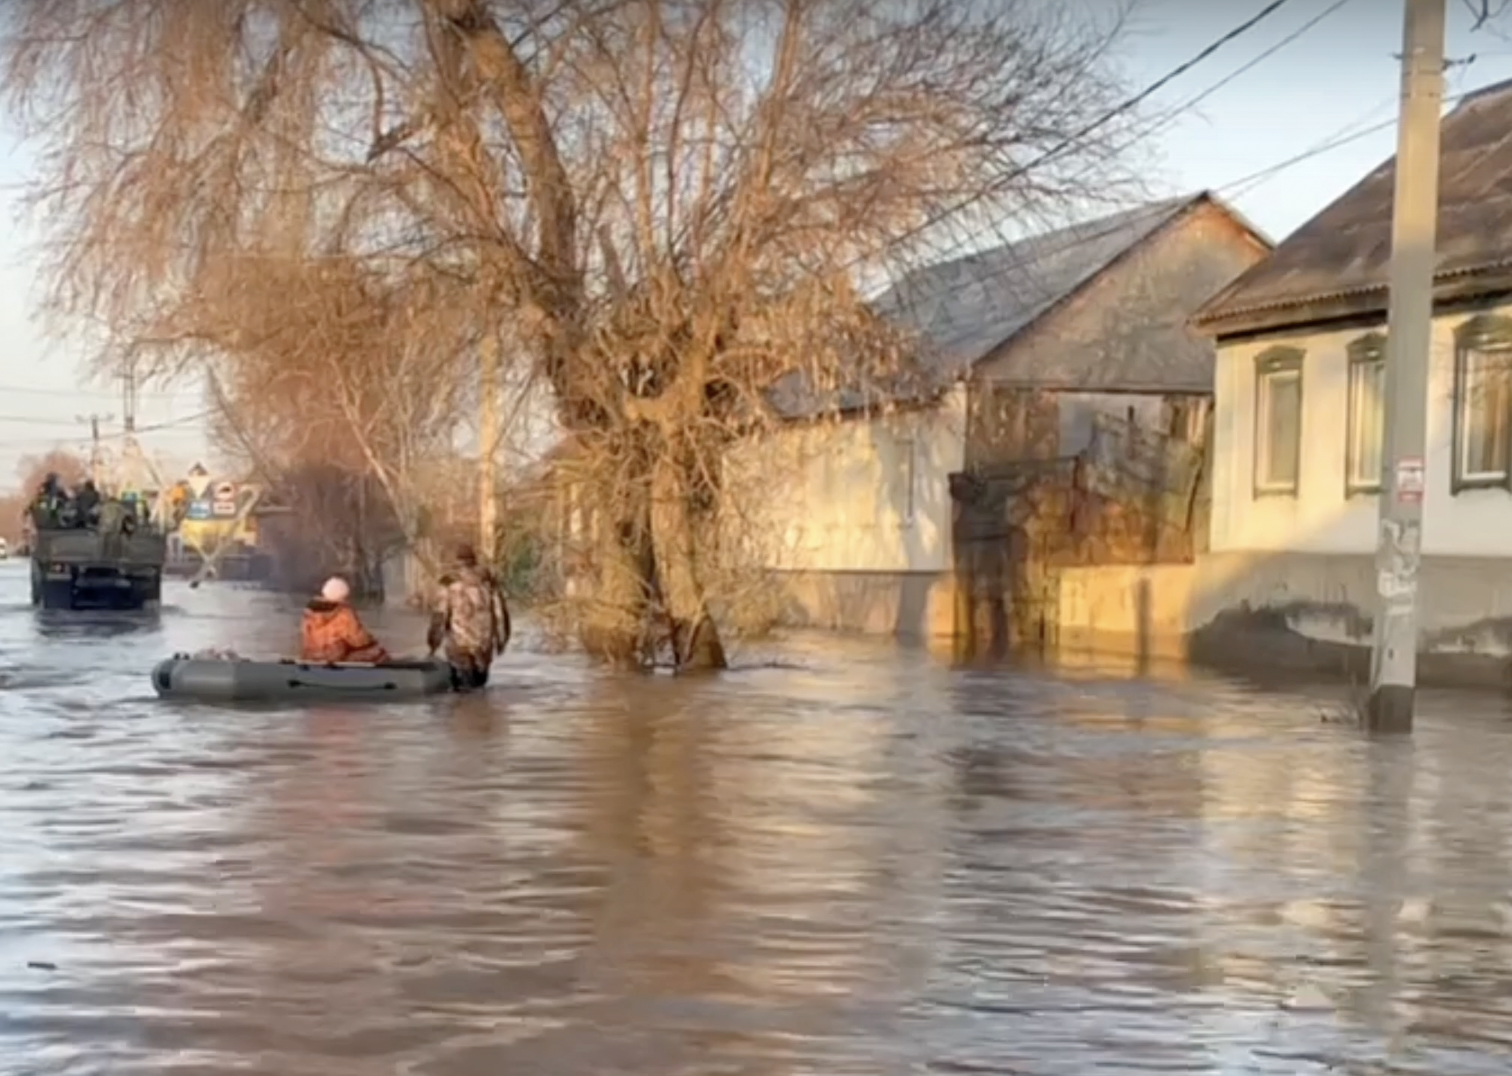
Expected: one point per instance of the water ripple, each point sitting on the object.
(849, 861)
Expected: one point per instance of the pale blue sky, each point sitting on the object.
(1338, 78)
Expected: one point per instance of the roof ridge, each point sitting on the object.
(1491, 89)
(1154, 208)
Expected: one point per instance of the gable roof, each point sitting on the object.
(1338, 263)
(967, 308)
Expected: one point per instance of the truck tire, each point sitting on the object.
(148, 594)
(58, 595)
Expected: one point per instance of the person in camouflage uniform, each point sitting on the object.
(470, 619)
(110, 523)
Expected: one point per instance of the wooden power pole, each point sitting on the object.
(1393, 679)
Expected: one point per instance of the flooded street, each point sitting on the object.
(870, 864)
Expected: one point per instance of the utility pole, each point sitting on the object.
(96, 446)
(128, 470)
(129, 398)
(489, 435)
(1414, 227)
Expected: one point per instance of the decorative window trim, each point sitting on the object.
(1366, 350)
(1268, 364)
(1481, 331)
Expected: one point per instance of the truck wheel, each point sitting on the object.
(148, 596)
(59, 595)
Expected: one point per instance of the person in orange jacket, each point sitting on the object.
(331, 632)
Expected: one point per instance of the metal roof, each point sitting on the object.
(1343, 254)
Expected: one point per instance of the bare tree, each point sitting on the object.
(1485, 12)
(669, 202)
(70, 468)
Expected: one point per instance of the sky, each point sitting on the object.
(1339, 77)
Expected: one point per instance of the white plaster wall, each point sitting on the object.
(1321, 518)
(832, 495)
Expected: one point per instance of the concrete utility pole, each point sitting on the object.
(1414, 227)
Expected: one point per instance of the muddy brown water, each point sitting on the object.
(867, 864)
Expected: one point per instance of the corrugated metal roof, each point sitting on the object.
(1345, 250)
(966, 308)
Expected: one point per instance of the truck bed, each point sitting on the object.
(144, 549)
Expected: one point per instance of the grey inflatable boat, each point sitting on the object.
(238, 680)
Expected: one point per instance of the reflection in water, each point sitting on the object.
(872, 864)
(85, 626)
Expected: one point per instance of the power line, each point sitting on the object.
(1153, 88)
(1186, 106)
(1320, 148)
(35, 390)
(1106, 118)
(40, 420)
(1242, 187)
(1087, 232)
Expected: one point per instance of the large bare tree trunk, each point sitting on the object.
(694, 636)
(613, 622)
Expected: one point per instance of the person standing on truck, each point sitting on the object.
(331, 633)
(87, 504)
(47, 505)
(471, 619)
(110, 524)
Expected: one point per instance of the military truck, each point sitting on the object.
(80, 568)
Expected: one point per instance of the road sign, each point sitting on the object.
(199, 480)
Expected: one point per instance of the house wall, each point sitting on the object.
(1078, 410)
(859, 536)
(1321, 517)
(1290, 583)
(1008, 425)
(1287, 613)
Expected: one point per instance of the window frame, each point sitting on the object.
(1270, 363)
(1366, 350)
(1480, 331)
(909, 451)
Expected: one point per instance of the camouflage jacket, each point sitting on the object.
(469, 615)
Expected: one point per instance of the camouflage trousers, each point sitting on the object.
(469, 670)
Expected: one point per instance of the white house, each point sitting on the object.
(853, 511)
(1298, 425)
(857, 512)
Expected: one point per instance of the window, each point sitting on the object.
(1482, 402)
(1365, 439)
(1278, 421)
(907, 456)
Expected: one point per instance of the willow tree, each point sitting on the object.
(671, 204)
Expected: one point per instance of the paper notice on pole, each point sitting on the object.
(1396, 588)
(1409, 480)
